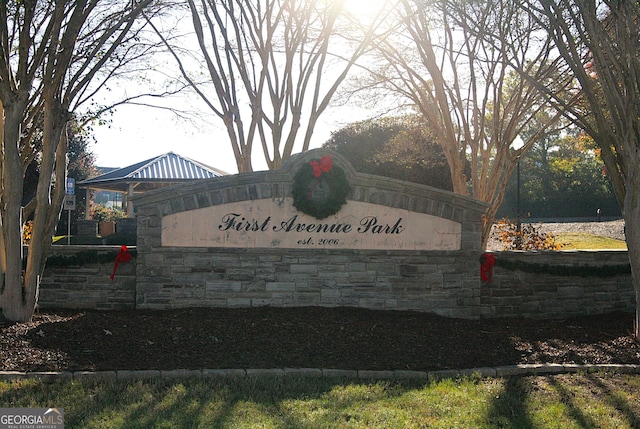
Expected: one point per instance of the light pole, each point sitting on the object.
(518, 222)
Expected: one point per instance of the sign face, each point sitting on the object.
(70, 186)
(69, 202)
(275, 223)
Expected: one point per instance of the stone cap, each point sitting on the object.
(278, 184)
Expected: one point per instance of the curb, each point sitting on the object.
(484, 372)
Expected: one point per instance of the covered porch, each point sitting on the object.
(154, 173)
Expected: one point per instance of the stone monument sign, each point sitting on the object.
(315, 232)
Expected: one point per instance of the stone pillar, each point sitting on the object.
(127, 226)
(88, 228)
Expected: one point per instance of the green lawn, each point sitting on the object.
(562, 401)
(113, 239)
(578, 241)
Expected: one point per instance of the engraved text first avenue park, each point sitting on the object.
(267, 223)
(367, 225)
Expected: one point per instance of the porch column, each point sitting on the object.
(130, 214)
(88, 203)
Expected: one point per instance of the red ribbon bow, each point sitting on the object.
(122, 256)
(487, 261)
(324, 166)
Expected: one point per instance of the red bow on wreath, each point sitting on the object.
(487, 261)
(324, 166)
(122, 256)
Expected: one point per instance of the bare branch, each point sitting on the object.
(273, 66)
(453, 60)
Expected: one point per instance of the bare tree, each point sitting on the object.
(599, 41)
(54, 56)
(274, 67)
(452, 61)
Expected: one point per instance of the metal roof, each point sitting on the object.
(163, 169)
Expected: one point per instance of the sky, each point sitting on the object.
(136, 133)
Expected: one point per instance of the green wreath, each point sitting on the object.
(319, 189)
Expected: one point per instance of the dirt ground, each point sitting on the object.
(312, 337)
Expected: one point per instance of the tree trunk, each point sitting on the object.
(12, 298)
(244, 163)
(48, 200)
(632, 231)
(487, 225)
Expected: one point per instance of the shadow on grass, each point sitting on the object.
(592, 400)
(580, 400)
(610, 397)
(211, 403)
(508, 409)
(573, 411)
(617, 400)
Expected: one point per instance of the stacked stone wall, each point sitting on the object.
(376, 280)
(372, 280)
(79, 277)
(558, 284)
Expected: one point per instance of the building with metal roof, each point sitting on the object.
(154, 173)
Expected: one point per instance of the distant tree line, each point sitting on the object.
(562, 178)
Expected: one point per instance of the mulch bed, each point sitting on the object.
(312, 337)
